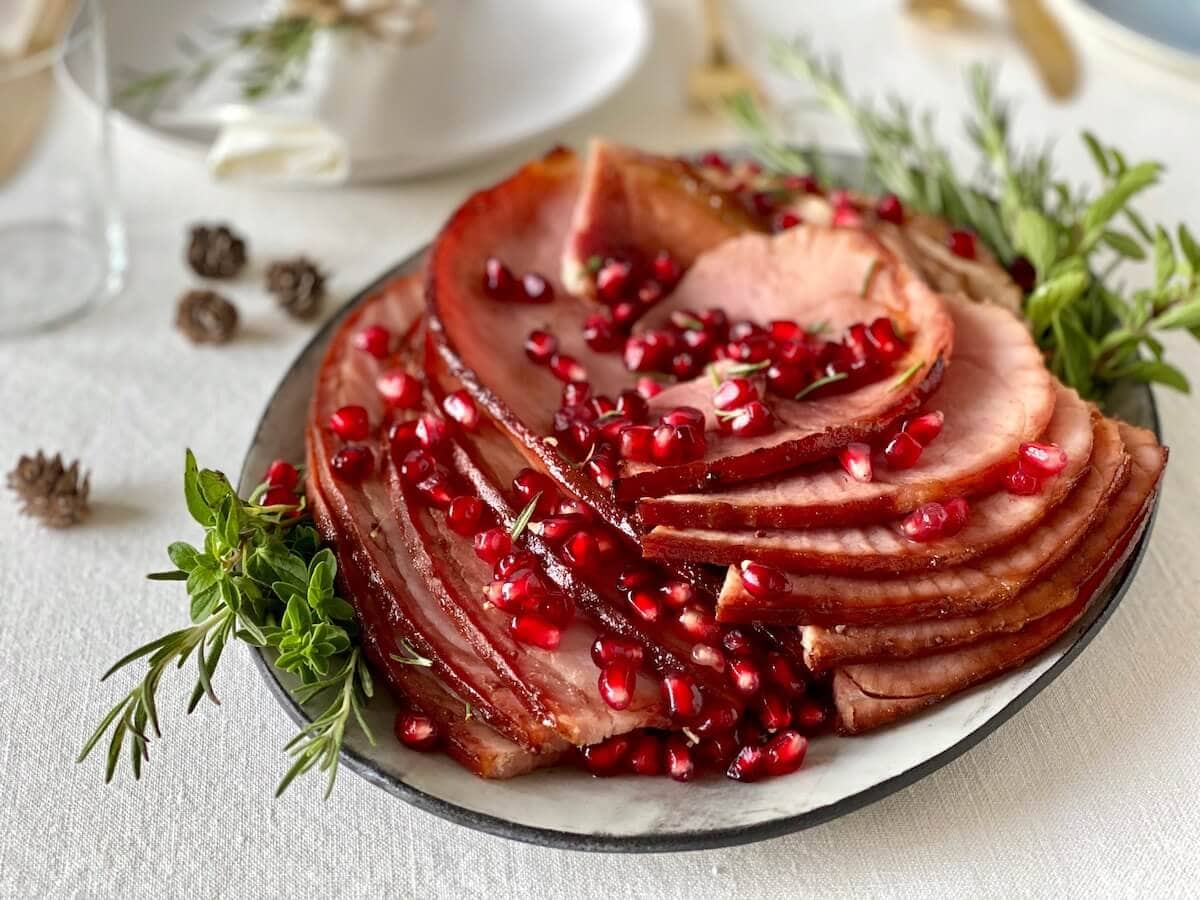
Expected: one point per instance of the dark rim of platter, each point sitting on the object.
(1093, 620)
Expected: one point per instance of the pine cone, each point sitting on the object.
(206, 317)
(215, 252)
(49, 491)
(298, 286)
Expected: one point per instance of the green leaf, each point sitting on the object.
(820, 383)
(197, 506)
(168, 576)
(523, 518)
(1101, 210)
(1190, 249)
(183, 555)
(1075, 352)
(1164, 258)
(1097, 153)
(1155, 371)
(1052, 296)
(1037, 237)
(1182, 315)
(1123, 245)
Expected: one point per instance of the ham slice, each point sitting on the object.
(826, 647)
(996, 520)
(871, 695)
(809, 275)
(996, 395)
(983, 584)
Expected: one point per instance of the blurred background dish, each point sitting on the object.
(1166, 32)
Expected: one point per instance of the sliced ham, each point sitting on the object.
(871, 695)
(826, 647)
(809, 275)
(959, 591)
(996, 520)
(995, 395)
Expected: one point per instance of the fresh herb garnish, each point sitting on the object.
(260, 576)
(748, 368)
(818, 328)
(411, 657)
(820, 383)
(690, 323)
(522, 520)
(907, 375)
(713, 375)
(868, 277)
(594, 264)
(1094, 331)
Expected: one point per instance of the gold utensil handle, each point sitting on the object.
(1047, 45)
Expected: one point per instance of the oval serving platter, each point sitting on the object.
(570, 809)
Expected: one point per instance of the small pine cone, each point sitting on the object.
(215, 252)
(298, 286)
(206, 317)
(50, 491)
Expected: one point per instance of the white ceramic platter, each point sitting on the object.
(1165, 32)
(494, 75)
(569, 808)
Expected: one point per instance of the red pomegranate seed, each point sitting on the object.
(632, 405)
(646, 757)
(685, 366)
(1021, 271)
(680, 695)
(636, 443)
(890, 209)
(521, 591)
(748, 765)
(610, 648)
(510, 562)
(416, 731)
(763, 581)
(431, 431)
(888, 346)
(645, 604)
(846, 217)
(600, 335)
(602, 469)
(613, 279)
(902, 451)
(856, 460)
(436, 491)
(714, 160)
(666, 270)
(677, 594)
(350, 423)
(460, 407)
(556, 529)
(1021, 483)
(279, 496)
(353, 463)
(540, 346)
(576, 393)
(782, 674)
(567, 368)
(773, 710)
(752, 420)
(734, 394)
(648, 352)
(635, 576)
(678, 444)
(810, 716)
(763, 203)
(402, 436)
(282, 474)
(684, 415)
(785, 752)
(624, 314)
(699, 624)
(925, 523)
(498, 280)
(961, 243)
(492, 544)
(536, 289)
(738, 642)
(616, 684)
(374, 339)
(708, 656)
(399, 389)
(602, 405)
(680, 765)
(527, 484)
(925, 427)
(718, 750)
(649, 388)
(604, 757)
(957, 512)
(529, 628)
(717, 716)
(745, 676)
(581, 552)
(464, 514)
(416, 466)
(1042, 460)
(787, 219)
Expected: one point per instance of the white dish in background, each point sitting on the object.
(1164, 32)
(496, 75)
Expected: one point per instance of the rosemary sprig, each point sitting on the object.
(261, 577)
(1093, 330)
(820, 383)
(524, 516)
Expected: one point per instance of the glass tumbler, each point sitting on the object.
(62, 242)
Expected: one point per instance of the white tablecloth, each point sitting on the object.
(1092, 789)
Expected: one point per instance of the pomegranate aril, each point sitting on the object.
(890, 209)
(279, 496)
(352, 464)
(350, 423)
(616, 684)
(636, 443)
(925, 427)
(763, 581)
(646, 756)
(416, 731)
(784, 753)
(752, 420)
(282, 474)
(677, 444)
(961, 243)
(738, 642)
(567, 368)
(787, 219)
(536, 289)
(581, 552)
(492, 544)
(436, 491)
(399, 389)
(856, 460)
(684, 415)
(528, 484)
(748, 765)
(624, 314)
(680, 765)
(782, 674)
(666, 269)
(649, 388)
(677, 594)
(510, 562)
(1042, 460)
(498, 280)
(810, 716)
(925, 523)
(902, 451)
(648, 352)
(745, 675)
(602, 470)
(649, 292)
(680, 695)
(540, 346)
(464, 514)
(416, 466)
(846, 217)
(717, 751)
(576, 393)
(375, 340)
(773, 710)
(699, 624)
(431, 431)
(610, 648)
(685, 366)
(612, 279)
(604, 758)
(717, 716)
(957, 512)
(533, 629)
(1021, 483)
(888, 346)
(734, 393)
(708, 656)
(714, 160)
(556, 529)
(460, 406)
(521, 590)
(645, 604)
(402, 436)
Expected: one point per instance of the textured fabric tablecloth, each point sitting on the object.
(1092, 789)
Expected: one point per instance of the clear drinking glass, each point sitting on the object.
(62, 242)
